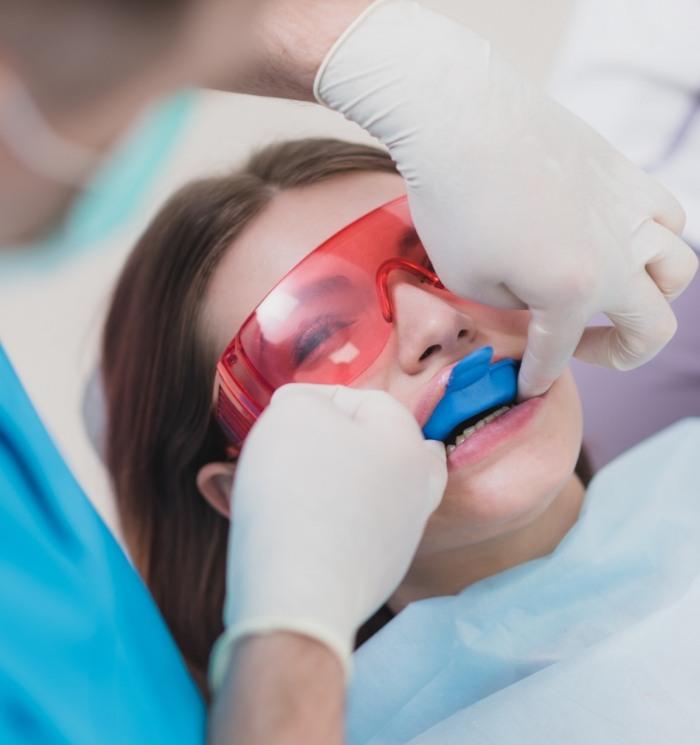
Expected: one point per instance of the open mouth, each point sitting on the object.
(464, 430)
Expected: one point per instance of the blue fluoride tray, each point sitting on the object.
(476, 385)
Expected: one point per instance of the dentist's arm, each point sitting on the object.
(518, 202)
(287, 43)
(280, 688)
(331, 496)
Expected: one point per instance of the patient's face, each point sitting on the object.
(511, 474)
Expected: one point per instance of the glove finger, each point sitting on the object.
(669, 260)
(438, 477)
(369, 407)
(374, 409)
(346, 400)
(329, 401)
(436, 448)
(641, 329)
(551, 340)
(495, 294)
(669, 211)
(294, 390)
(384, 415)
(363, 405)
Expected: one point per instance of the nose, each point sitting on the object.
(428, 328)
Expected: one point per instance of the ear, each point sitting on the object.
(215, 481)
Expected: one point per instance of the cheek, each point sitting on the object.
(518, 485)
(381, 374)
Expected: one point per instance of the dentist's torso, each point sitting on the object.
(85, 656)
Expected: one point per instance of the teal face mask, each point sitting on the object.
(112, 197)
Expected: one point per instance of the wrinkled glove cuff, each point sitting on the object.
(223, 649)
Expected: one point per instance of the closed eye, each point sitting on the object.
(316, 335)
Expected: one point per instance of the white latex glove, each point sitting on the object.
(332, 492)
(519, 202)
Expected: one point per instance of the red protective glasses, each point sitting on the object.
(326, 321)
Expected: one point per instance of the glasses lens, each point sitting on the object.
(323, 322)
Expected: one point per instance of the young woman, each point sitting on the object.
(204, 264)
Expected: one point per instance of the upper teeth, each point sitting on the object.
(469, 431)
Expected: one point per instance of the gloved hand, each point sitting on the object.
(519, 202)
(330, 498)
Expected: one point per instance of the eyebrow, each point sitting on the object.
(406, 242)
(325, 286)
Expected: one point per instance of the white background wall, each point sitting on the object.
(50, 326)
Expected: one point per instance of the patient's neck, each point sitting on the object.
(449, 572)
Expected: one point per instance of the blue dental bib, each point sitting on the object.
(476, 385)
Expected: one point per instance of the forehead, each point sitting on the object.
(291, 226)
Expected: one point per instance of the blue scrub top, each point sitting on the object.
(85, 656)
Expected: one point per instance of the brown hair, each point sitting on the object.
(158, 375)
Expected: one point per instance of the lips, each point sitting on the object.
(495, 435)
(435, 390)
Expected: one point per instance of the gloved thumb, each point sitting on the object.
(552, 337)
